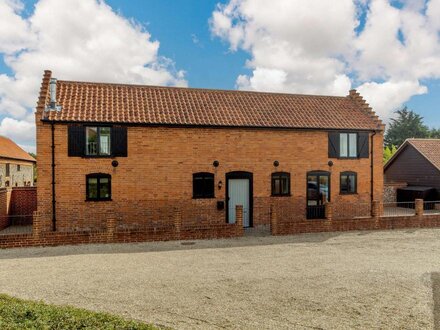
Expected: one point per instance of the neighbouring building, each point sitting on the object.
(137, 153)
(414, 171)
(16, 165)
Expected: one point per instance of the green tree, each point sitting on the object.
(388, 152)
(407, 124)
(434, 133)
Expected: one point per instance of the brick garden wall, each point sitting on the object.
(112, 233)
(22, 205)
(4, 205)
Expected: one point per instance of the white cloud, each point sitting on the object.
(390, 94)
(77, 40)
(312, 46)
(17, 130)
(14, 30)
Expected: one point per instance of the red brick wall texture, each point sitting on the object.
(156, 176)
(4, 200)
(22, 205)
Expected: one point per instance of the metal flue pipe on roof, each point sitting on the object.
(53, 92)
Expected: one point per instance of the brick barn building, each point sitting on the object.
(138, 153)
(16, 165)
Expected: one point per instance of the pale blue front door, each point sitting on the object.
(238, 192)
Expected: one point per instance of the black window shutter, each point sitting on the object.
(363, 145)
(333, 144)
(76, 141)
(119, 141)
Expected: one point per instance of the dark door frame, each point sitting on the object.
(241, 175)
(317, 173)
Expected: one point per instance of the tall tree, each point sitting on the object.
(388, 152)
(407, 124)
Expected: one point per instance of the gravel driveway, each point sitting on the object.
(386, 279)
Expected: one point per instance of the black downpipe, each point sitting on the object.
(54, 217)
(372, 168)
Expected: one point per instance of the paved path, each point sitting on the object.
(386, 279)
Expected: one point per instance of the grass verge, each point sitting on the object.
(23, 314)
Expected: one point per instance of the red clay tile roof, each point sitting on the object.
(9, 149)
(118, 103)
(429, 148)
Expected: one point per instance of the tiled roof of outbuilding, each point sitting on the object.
(429, 148)
(135, 104)
(10, 150)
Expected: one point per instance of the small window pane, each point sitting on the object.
(353, 145)
(104, 141)
(104, 188)
(343, 145)
(276, 186)
(92, 140)
(344, 185)
(285, 186)
(209, 187)
(93, 188)
(351, 183)
(323, 187)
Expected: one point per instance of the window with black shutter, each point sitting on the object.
(97, 141)
(98, 187)
(203, 185)
(348, 183)
(280, 184)
(348, 145)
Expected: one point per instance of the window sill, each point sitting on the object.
(99, 200)
(210, 197)
(284, 195)
(98, 156)
(348, 193)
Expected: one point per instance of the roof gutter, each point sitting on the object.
(209, 126)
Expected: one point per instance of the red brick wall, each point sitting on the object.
(158, 172)
(282, 227)
(4, 203)
(22, 205)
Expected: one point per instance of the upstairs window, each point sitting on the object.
(8, 169)
(98, 187)
(280, 184)
(348, 145)
(18, 168)
(98, 141)
(203, 185)
(348, 183)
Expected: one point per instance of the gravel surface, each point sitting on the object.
(386, 279)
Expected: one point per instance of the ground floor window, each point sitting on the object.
(348, 183)
(280, 184)
(98, 187)
(203, 185)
